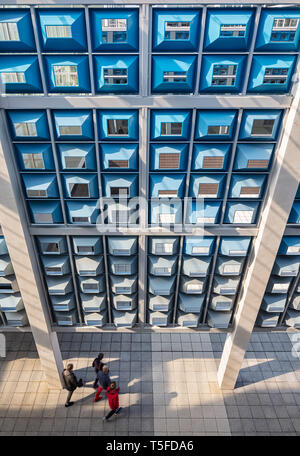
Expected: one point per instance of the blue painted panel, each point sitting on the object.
(118, 180)
(60, 261)
(163, 246)
(271, 40)
(160, 303)
(130, 262)
(219, 35)
(198, 179)
(28, 71)
(104, 38)
(122, 246)
(273, 303)
(24, 38)
(218, 319)
(110, 117)
(286, 266)
(93, 243)
(253, 157)
(72, 18)
(240, 181)
(210, 157)
(160, 210)
(193, 286)
(225, 285)
(290, 245)
(234, 246)
(45, 209)
(161, 286)
(159, 182)
(45, 249)
(267, 320)
(278, 285)
(159, 151)
(70, 180)
(195, 267)
(82, 85)
(184, 68)
(3, 246)
(189, 304)
(126, 208)
(209, 122)
(110, 154)
(62, 303)
(214, 66)
(162, 122)
(83, 154)
(126, 67)
(260, 77)
(295, 213)
(229, 266)
(166, 39)
(253, 118)
(34, 183)
(198, 245)
(82, 120)
(36, 120)
(83, 209)
(241, 213)
(203, 213)
(40, 152)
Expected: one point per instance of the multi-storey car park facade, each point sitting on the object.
(149, 170)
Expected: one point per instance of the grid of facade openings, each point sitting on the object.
(93, 280)
(281, 303)
(64, 172)
(197, 285)
(90, 283)
(12, 312)
(61, 35)
(225, 154)
(220, 159)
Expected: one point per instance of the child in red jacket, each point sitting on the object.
(113, 400)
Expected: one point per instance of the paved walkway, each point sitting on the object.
(168, 385)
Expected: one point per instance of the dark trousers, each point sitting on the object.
(69, 396)
(111, 413)
(95, 382)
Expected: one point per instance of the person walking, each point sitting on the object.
(113, 400)
(70, 383)
(97, 365)
(104, 382)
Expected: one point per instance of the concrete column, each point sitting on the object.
(142, 276)
(284, 184)
(20, 246)
(143, 213)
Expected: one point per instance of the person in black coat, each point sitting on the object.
(70, 383)
(97, 365)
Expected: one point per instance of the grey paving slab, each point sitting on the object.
(168, 387)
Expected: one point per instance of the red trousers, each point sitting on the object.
(98, 392)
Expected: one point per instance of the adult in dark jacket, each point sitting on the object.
(97, 365)
(70, 383)
(104, 382)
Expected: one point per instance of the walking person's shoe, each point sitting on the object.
(69, 404)
(98, 399)
(105, 419)
(118, 410)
